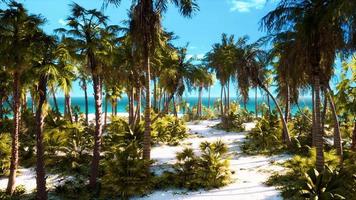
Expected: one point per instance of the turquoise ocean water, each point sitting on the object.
(122, 103)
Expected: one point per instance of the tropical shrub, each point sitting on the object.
(207, 114)
(5, 153)
(302, 182)
(19, 194)
(210, 170)
(169, 130)
(126, 174)
(265, 137)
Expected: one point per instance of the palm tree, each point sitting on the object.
(91, 36)
(322, 27)
(18, 30)
(146, 27)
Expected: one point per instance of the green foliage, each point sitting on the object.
(303, 182)
(73, 188)
(321, 185)
(169, 130)
(67, 145)
(19, 194)
(301, 132)
(207, 114)
(5, 153)
(126, 174)
(265, 137)
(210, 170)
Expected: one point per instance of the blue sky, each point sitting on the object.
(238, 17)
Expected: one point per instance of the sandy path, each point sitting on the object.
(250, 171)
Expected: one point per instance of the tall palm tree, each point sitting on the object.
(322, 28)
(146, 27)
(18, 30)
(92, 38)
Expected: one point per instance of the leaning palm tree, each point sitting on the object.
(322, 28)
(92, 38)
(18, 30)
(146, 27)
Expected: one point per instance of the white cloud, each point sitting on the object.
(246, 5)
(62, 22)
(195, 56)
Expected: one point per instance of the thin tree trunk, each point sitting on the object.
(225, 100)
(300, 110)
(174, 107)
(147, 133)
(288, 141)
(138, 107)
(228, 96)
(15, 135)
(209, 97)
(69, 107)
(106, 109)
(199, 102)
(337, 135)
(41, 193)
(221, 101)
(98, 131)
(313, 117)
(24, 102)
(1, 103)
(55, 101)
(256, 104)
(286, 113)
(323, 114)
(319, 143)
(269, 104)
(85, 88)
(155, 94)
(353, 144)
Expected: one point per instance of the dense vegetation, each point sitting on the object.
(110, 157)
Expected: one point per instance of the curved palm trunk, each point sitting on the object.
(55, 100)
(256, 104)
(353, 145)
(106, 110)
(269, 104)
(337, 135)
(319, 143)
(228, 96)
(155, 95)
(69, 107)
(209, 98)
(15, 135)
(287, 139)
(323, 114)
(137, 118)
(98, 131)
(300, 110)
(286, 113)
(40, 166)
(147, 134)
(221, 101)
(199, 107)
(86, 101)
(313, 117)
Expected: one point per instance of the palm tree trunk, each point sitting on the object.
(40, 166)
(256, 104)
(155, 94)
(313, 117)
(55, 100)
(86, 101)
(174, 107)
(225, 100)
(228, 95)
(318, 134)
(24, 101)
(269, 104)
(147, 133)
(15, 135)
(353, 144)
(209, 97)
(286, 112)
(1, 103)
(287, 139)
(199, 102)
(98, 131)
(69, 107)
(221, 101)
(337, 135)
(138, 107)
(106, 109)
(323, 114)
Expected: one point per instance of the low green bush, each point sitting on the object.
(209, 170)
(301, 181)
(169, 130)
(265, 138)
(5, 153)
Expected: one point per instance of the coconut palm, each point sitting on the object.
(92, 38)
(18, 30)
(322, 28)
(146, 27)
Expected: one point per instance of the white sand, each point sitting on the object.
(250, 171)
